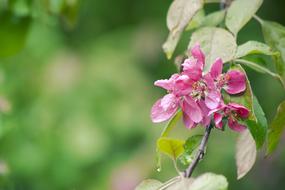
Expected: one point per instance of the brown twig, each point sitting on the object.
(224, 4)
(201, 152)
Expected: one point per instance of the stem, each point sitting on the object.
(176, 167)
(179, 60)
(201, 152)
(258, 19)
(224, 4)
(169, 183)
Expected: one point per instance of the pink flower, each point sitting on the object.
(205, 111)
(199, 95)
(179, 88)
(185, 90)
(177, 84)
(233, 112)
(213, 94)
(233, 81)
(193, 67)
(192, 113)
(164, 108)
(204, 86)
(195, 112)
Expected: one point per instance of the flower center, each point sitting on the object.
(199, 89)
(231, 113)
(222, 80)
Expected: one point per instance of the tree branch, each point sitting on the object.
(201, 152)
(224, 4)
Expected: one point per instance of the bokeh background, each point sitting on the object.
(76, 88)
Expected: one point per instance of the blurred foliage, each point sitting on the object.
(13, 33)
(16, 17)
(76, 90)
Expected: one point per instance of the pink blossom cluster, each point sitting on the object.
(199, 95)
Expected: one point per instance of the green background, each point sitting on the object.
(75, 98)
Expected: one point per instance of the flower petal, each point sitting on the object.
(164, 109)
(234, 125)
(167, 84)
(205, 111)
(192, 69)
(242, 111)
(221, 107)
(236, 82)
(191, 108)
(209, 81)
(198, 55)
(183, 85)
(164, 83)
(212, 100)
(188, 122)
(218, 119)
(217, 68)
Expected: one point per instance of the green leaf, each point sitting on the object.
(171, 147)
(209, 181)
(280, 65)
(197, 20)
(245, 99)
(13, 33)
(274, 36)
(258, 129)
(245, 153)
(171, 43)
(240, 12)
(253, 47)
(191, 144)
(149, 184)
(214, 19)
(181, 12)
(69, 12)
(179, 15)
(216, 43)
(177, 183)
(276, 129)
